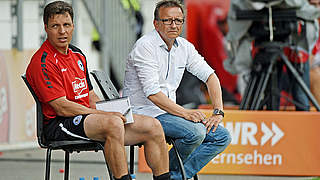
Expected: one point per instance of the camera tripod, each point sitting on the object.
(262, 89)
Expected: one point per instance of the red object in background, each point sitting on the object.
(203, 31)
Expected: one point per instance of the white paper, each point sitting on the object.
(117, 105)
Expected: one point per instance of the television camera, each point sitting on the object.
(274, 26)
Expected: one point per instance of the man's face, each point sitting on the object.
(315, 3)
(169, 32)
(59, 31)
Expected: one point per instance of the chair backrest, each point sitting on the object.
(105, 84)
(40, 117)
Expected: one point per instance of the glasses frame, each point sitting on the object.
(170, 21)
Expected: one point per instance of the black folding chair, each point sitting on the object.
(110, 92)
(67, 146)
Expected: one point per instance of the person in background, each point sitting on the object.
(134, 5)
(154, 69)
(315, 63)
(59, 76)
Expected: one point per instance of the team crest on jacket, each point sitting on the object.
(80, 65)
(77, 120)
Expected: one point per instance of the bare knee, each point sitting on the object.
(113, 127)
(155, 129)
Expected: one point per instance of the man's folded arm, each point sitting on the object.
(214, 89)
(166, 104)
(63, 107)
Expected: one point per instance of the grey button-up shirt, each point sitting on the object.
(151, 68)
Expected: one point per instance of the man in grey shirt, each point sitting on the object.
(154, 70)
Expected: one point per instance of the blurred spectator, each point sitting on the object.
(315, 63)
(96, 39)
(134, 5)
(206, 27)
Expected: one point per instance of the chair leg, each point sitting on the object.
(183, 173)
(66, 165)
(132, 159)
(195, 177)
(48, 161)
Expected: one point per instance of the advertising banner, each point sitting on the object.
(268, 143)
(4, 101)
(21, 117)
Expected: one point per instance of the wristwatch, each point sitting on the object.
(218, 112)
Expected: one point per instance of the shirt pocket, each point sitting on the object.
(178, 74)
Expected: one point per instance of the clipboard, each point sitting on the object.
(121, 105)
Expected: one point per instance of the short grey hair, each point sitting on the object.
(165, 4)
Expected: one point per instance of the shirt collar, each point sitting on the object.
(54, 50)
(159, 41)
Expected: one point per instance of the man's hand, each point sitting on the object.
(115, 114)
(194, 115)
(214, 120)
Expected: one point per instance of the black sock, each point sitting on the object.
(125, 177)
(165, 176)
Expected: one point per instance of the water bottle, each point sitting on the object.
(133, 176)
(82, 178)
(95, 178)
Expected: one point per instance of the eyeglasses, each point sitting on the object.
(169, 21)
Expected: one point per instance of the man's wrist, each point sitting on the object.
(218, 112)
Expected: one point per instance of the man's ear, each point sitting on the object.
(155, 24)
(46, 27)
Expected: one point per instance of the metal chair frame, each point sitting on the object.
(67, 146)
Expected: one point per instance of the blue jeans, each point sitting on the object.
(195, 146)
(290, 84)
(297, 92)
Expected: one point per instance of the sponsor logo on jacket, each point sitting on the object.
(79, 85)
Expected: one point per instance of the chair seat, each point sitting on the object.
(77, 145)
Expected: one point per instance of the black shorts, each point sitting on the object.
(65, 128)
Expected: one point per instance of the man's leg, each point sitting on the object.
(109, 129)
(145, 130)
(297, 92)
(148, 131)
(188, 135)
(213, 144)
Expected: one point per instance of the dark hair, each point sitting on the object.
(165, 4)
(56, 7)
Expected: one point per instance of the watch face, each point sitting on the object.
(218, 112)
